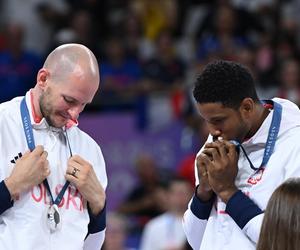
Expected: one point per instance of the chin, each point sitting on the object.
(58, 123)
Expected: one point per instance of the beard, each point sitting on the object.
(46, 107)
(242, 131)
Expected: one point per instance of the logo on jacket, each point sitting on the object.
(18, 156)
(256, 177)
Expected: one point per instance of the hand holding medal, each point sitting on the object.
(82, 175)
(30, 170)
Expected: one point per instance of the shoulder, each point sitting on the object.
(291, 137)
(80, 136)
(10, 109)
(158, 221)
(85, 146)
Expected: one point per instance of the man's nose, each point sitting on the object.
(75, 111)
(214, 131)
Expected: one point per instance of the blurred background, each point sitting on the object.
(144, 117)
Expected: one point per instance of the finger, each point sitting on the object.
(73, 164)
(208, 144)
(74, 170)
(199, 160)
(78, 159)
(214, 145)
(204, 174)
(212, 153)
(200, 165)
(72, 179)
(208, 154)
(47, 172)
(39, 149)
(231, 148)
(205, 159)
(223, 150)
(44, 155)
(202, 171)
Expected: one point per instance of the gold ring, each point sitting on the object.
(204, 174)
(75, 170)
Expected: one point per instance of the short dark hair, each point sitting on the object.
(225, 82)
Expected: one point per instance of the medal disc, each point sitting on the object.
(53, 218)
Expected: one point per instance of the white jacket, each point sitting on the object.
(23, 225)
(220, 229)
(163, 232)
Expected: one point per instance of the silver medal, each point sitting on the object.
(53, 218)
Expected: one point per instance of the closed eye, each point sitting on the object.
(217, 121)
(69, 100)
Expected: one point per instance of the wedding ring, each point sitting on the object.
(75, 170)
(204, 174)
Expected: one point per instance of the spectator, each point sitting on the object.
(120, 76)
(281, 225)
(142, 201)
(165, 231)
(116, 232)
(289, 77)
(17, 65)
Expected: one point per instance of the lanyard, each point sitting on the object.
(31, 145)
(272, 136)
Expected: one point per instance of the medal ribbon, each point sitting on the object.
(272, 136)
(31, 145)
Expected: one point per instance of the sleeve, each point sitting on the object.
(247, 215)
(196, 216)
(195, 219)
(5, 198)
(6, 201)
(96, 230)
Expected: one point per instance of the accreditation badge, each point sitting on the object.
(53, 218)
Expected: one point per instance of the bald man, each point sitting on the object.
(52, 175)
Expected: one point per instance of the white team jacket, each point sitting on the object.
(23, 226)
(220, 230)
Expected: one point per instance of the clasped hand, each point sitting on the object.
(217, 170)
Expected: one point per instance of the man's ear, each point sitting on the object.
(247, 108)
(42, 77)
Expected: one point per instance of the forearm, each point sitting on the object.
(13, 188)
(195, 219)
(98, 204)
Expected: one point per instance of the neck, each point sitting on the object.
(35, 103)
(261, 114)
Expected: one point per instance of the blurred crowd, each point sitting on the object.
(149, 53)
(150, 50)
